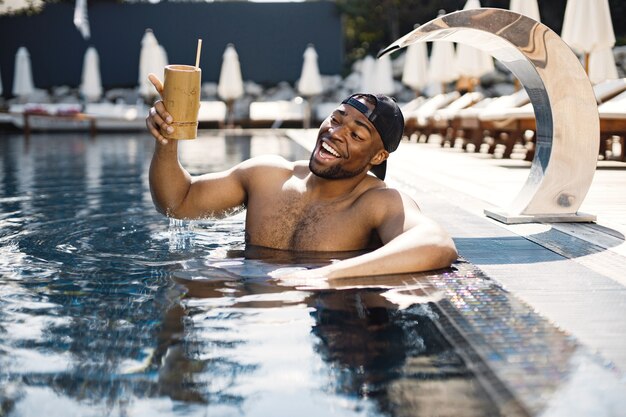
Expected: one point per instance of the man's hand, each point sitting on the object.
(158, 117)
(301, 277)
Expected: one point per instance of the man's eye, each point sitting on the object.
(356, 136)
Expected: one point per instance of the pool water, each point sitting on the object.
(109, 308)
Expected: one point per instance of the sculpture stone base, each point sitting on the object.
(508, 218)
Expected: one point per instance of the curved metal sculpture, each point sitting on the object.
(568, 129)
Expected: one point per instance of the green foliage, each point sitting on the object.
(370, 25)
(28, 8)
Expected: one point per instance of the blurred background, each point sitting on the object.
(269, 38)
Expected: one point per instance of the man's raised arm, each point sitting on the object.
(174, 191)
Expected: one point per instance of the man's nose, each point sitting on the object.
(338, 131)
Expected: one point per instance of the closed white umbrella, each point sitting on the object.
(152, 59)
(587, 27)
(310, 83)
(442, 67)
(230, 84)
(528, 8)
(383, 76)
(23, 76)
(368, 74)
(81, 21)
(471, 62)
(91, 83)
(602, 65)
(415, 71)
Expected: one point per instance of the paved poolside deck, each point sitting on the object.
(571, 274)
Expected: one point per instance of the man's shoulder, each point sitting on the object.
(270, 166)
(377, 189)
(267, 161)
(380, 196)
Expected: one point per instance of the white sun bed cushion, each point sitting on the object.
(614, 108)
(496, 105)
(524, 112)
(609, 88)
(276, 110)
(412, 105)
(433, 104)
(466, 100)
(212, 111)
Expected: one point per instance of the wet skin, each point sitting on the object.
(330, 203)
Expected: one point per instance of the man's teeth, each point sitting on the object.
(330, 150)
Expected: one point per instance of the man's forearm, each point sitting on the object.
(169, 182)
(400, 255)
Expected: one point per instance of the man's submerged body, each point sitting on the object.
(329, 203)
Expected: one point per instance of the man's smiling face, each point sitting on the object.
(347, 141)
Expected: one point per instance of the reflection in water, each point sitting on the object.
(398, 358)
(391, 361)
(108, 308)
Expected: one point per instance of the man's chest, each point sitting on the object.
(291, 221)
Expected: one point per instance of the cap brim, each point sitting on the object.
(380, 170)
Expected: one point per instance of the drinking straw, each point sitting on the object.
(198, 53)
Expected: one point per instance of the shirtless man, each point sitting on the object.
(330, 203)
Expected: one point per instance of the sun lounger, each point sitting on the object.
(439, 121)
(412, 105)
(276, 113)
(606, 90)
(212, 113)
(466, 124)
(509, 126)
(117, 116)
(613, 126)
(50, 117)
(415, 121)
(92, 117)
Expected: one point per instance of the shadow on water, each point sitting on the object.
(108, 308)
(531, 249)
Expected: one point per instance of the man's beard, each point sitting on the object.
(335, 172)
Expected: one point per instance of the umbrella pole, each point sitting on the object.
(587, 63)
(307, 113)
(229, 114)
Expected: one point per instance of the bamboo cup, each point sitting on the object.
(181, 96)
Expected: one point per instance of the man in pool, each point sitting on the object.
(329, 203)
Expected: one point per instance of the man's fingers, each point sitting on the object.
(154, 129)
(157, 120)
(160, 108)
(158, 117)
(158, 85)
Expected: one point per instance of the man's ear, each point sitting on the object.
(379, 157)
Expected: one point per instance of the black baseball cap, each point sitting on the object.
(387, 119)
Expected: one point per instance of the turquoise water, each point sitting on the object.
(109, 308)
